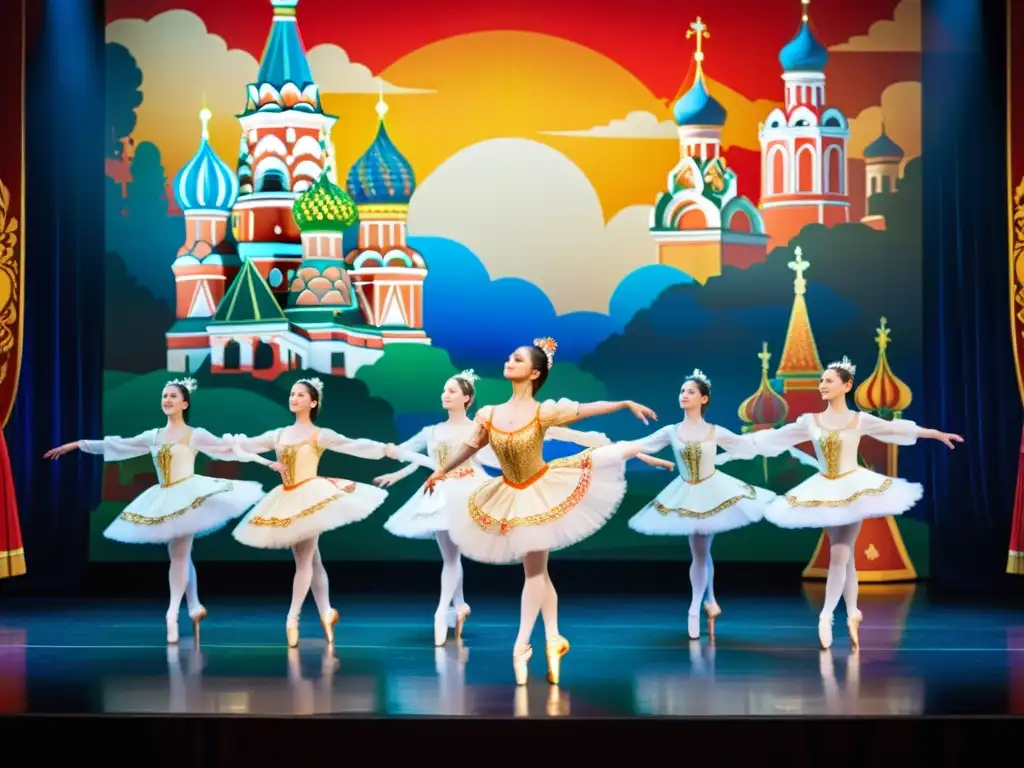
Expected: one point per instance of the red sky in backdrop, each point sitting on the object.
(645, 36)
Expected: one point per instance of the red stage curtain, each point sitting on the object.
(12, 264)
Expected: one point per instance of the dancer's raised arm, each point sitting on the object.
(557, 413)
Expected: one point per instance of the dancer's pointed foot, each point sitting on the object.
(461, 614)
(440, 629)
(172, 630)
(327, 621)
(825, 632)
(291, 632)
(197, 616)
(556, 648)
(520, 658)
(853, 624)
(693, 626)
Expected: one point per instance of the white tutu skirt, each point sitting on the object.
(497, 523)
(821, 503)
(197, 507)
(285, 517)
(719, 503)
(424, 514)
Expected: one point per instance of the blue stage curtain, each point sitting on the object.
(970, 381)
(59, 397)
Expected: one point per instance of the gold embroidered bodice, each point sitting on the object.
(175, 462)
(836, 450)
(445, 451)
(520, 453)
(696, 457)
(301, 460)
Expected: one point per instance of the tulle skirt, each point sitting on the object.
(424, 514)
(819, 502)
(197, 507)
(285, 517)
(719, 503)
(576, 496)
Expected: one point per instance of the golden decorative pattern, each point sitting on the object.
(795, 502)
(1017, 262)
(163, 464)
(287, 457)
(284, 522)
(691, 456)
(582, 461)
(136, 519)
(465, 469)
(521, 452)
(10, 281)
(831, 445)
(871, 553)
(749, 493)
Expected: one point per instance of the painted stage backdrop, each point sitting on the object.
(382, 200)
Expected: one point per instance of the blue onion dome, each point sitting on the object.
(206, 183)
(382, 174)
(803, 53)
(883, 146)
(697, 106)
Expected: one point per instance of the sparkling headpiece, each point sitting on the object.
(315, 384)
(468, 375)
(188, 384)
(549, 346)
(846, 365)
(698, 375)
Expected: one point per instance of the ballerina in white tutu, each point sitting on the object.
(425, 515)
(535, 507)
(843, 494)
(701, 501)
(184, 505)
(295, 513)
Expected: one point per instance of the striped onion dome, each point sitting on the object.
(206, 183)
(765, 406)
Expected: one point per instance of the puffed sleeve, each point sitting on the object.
(775, 442)
(656, 441)
(417, 443)
(260, 444)
(555, 413)
(585, 439)
(221, 448)
(897, 431)
(120, 448)
(740, 446)
(479, 437)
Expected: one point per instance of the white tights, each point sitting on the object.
(702, 571)
(539, 596)
(309, 572)
(182, 577)
(451, 575)
(842, 573)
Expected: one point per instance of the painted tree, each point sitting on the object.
(123, 96)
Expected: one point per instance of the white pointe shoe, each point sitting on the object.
(825, 632)
(693, 626)
(172, 630)
(440, 629)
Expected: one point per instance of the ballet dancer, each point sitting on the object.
(183, 505)
(843, 494)
(295, 513)
(425, 515)
(535, 507)
(701, 501)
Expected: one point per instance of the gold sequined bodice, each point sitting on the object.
(836, 451)
(445, 451)
(174, 462)
(300, 460)
(696, 457)
(520, 453)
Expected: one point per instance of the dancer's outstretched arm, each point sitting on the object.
(329, 440)
(224, 448)
(416, 444)
(768, 442)
(111, 448)
(645, 448)
(561, 412)
(903, 432)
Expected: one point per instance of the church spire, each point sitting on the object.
(800, 366)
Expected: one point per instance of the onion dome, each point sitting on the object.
(382, 175)
(765, 406)
(883, 147)
(324, 207)
(882, 390)
(697, 106)
(284, 81)
(206, 183)
(803, 53)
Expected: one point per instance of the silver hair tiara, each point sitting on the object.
(846, 365)
(315, 383)
(468, 375)
(190, 385)
(698, 375)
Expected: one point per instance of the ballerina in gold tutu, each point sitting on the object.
(295, 513)
(535, 507)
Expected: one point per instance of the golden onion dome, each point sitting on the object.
(883, 390)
